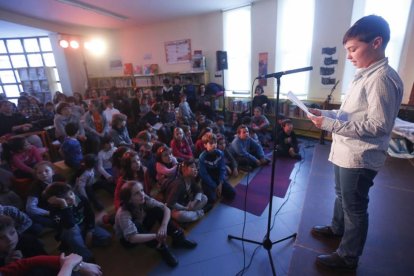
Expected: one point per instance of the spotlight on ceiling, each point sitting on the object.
(64, 43)
(74, 44)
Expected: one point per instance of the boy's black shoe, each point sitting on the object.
(297, 157)
(208, 207)
(246, 168)
(168, 256)
(335, 261)
(181, 241)
(324, 231)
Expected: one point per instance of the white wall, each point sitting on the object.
(264, 39)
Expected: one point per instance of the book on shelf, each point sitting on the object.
(24, 76)
(240, 105)
(150, 69)
(33, 74)
(36, 86)
(138, 70)
(41, 74)
(128, 69)
(27, 86)
(44, 85)
(143, 81)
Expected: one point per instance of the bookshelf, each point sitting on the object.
(38, 81)
(146, 81)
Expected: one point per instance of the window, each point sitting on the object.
(396, 14)
(237, 43)
(294, 35)
(16, 55)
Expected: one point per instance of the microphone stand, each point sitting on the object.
(267, 243)
(325, 106)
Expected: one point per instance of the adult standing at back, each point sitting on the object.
(361, 131)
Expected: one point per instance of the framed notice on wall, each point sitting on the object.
(178, 51)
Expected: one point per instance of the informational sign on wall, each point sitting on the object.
(178, 51)
(263, 58)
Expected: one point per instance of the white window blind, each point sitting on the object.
(294, 43)
(237, 43)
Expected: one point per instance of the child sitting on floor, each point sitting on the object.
(71, 149)
(212, 171)
(185, 195)
(76, 220)
(287, 143)
(180, 147)
(21, 156)
(138, 215)
(36, 207)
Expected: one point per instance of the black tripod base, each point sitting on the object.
(266, 243)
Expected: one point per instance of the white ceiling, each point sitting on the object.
(138, 12)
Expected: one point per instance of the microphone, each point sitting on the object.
(281, 73)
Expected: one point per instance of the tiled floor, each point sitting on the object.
(216, 255)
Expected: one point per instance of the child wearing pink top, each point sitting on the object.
(180, 147)
(21, 156)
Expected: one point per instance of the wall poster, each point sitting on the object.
(178, 51)
(263, 59)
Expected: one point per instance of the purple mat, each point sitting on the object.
(258, 190)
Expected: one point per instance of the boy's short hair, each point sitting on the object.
(71, 128)
(43, 163)
(260, 88)
(144, 135)
(61, 106)
(185, 128)
(188, 163)
(125, 194)
(367, 28)
(259, 108)
(89, 160)
(117, 118)
(286, 122)
(219, 117)
(209, 138)
(106, 139)
(5, 222)
(240, 127)
(57, 189)
(109, 101)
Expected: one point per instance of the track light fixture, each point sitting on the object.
(95, 46)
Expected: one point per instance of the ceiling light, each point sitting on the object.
(64, 43)
(93, 8)
(74, 44)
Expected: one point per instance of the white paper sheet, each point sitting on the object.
(299, 103)
(157, 126)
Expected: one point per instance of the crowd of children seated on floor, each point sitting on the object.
(171, 172)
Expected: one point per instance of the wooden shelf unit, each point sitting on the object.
(146, 81)
(38, 81)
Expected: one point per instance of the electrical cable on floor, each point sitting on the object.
(309, 145)
(244, 224)
(241, 272)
